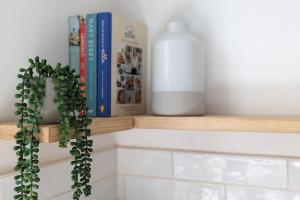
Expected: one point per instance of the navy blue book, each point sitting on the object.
(121, 66)
(91, 63)
(104, 64)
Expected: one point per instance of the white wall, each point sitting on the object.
(252, 46)
(253, 50)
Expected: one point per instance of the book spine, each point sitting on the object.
(91, 66)
(104, 64)
(74, 43)
(82, 52)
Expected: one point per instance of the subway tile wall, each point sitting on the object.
(138, 188)
(231, 169)
(176, 175)
(104, 189)
(148, 174)
(145, 162)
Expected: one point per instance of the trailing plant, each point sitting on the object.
(73, 123)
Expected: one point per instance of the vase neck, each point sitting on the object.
(177, 27)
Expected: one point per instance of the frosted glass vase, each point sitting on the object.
(49, 110)
(178, 72)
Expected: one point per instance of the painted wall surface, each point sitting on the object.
(252, 56)
(253, 50)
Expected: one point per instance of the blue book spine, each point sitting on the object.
(104, 64)
(91, 63)
(74, 43)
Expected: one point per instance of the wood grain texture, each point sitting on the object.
(49, 133)
(220, 123)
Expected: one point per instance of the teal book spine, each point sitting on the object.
(91, 63)
(74, 43)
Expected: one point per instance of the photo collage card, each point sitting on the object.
(129, 83)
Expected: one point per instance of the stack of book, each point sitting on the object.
(109, 53)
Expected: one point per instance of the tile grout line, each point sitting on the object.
(57, 162)
(103, 178)
(274, 157)
(93, 182)
(212, 183)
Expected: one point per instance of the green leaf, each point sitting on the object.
(18, 196)
(30, 61)
(58, 65)
(36, 150)
(18, 188)
(35, 186)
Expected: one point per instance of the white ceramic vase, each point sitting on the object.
(178, 72)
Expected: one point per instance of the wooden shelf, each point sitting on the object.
(221, 123)
(49, 133)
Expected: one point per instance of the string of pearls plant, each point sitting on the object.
(73, 123)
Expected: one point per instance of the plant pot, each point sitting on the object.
(49, 110)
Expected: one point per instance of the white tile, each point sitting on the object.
(105, 189)
(64, 196)
(138, 188)
(104, 164)
(244, 193)
(55, 179)
(120, 187)
(102, 190)
(7, 185)
(294, 174)
(231, 169)
(144, 162)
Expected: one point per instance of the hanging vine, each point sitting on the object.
(73, 123)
